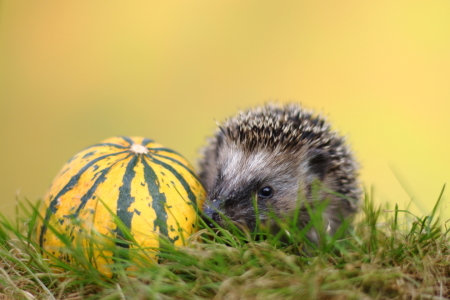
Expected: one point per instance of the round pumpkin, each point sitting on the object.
(150, 189)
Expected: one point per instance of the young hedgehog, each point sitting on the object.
(275, 153)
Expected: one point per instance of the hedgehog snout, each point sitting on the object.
(211, 212)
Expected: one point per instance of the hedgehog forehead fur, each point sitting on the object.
(271, 126)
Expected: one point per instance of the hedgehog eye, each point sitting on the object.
(265, 192)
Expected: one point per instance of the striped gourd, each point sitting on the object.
(151, 189)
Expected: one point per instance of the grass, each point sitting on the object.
(387, 254)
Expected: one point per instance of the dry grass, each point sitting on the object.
(387, 255)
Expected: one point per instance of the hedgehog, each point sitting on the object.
(273, 155)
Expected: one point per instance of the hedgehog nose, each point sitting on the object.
(211, 212)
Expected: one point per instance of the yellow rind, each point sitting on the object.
(95, 218)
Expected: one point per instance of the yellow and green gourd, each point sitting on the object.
(151, 189)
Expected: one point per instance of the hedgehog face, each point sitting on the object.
(274, 182)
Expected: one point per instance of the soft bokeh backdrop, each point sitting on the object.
(75, 72)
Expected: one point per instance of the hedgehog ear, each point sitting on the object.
(318, 163)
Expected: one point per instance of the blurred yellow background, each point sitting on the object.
(73, 73)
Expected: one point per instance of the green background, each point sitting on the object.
(73, 73)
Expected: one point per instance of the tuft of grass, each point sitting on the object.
(386, 254)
